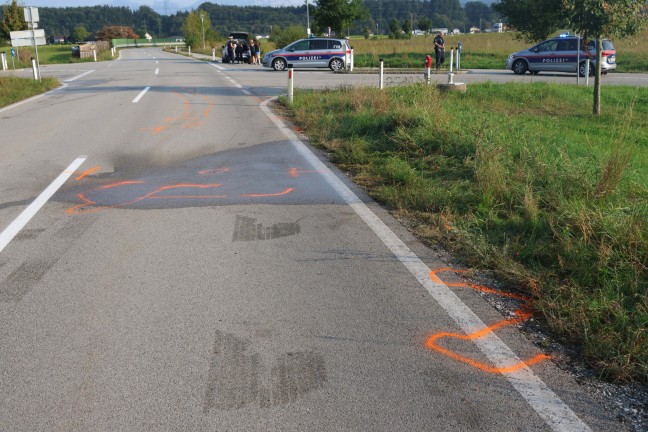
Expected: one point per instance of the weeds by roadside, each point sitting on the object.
(522, 180)
(13, 89)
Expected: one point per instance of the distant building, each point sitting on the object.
(456, 31)
(474, 30)
(437, 30)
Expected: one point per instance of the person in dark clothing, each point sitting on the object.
(439, 49)
(230, 50)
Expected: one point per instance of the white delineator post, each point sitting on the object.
(381, 82)
(450, 74)
(35, 69)
(213, 54)
(3, 58)
(94, 54)
(290, 84)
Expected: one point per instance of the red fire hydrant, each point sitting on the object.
(428, 66)
(428, 61)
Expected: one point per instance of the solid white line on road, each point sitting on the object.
(14, 227)
(79, 76)
(157, 70)
(220, 68)
(140, 95)
(539, 396)
(156, 62)
(247, 92)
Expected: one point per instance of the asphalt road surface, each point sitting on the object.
(173, 257)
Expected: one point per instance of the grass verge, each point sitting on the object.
(13, 89)
(520, 179)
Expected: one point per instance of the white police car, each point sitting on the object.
(560, 54)
(311, 53)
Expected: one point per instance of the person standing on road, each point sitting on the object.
(230, 50)
(439, 49)
(257, 52)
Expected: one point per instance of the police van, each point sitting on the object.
(311, 53)
(561, 54)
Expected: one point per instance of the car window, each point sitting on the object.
(300, 46)
(334, 44)
(318, 44)
(607, 45)
(549, 45)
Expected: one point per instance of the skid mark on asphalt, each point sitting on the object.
(247, 229)
(522, 314)
(237, 376)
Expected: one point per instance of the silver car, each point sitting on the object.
(560, 54)
(311, 53)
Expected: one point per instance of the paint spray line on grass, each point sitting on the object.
(558, 416)
(19, 223)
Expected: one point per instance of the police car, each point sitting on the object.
(311, 53)
(560, 54)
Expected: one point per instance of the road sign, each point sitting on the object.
(31, 14)
(26, 37)
(13, 52)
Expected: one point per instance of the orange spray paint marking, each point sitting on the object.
(294, 172)
(522, 315)
(87, 173)
(82, 208)
(284, 192)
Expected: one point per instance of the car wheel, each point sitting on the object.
(520, 67)
(581, 69)
(279, 64)
(336, 64)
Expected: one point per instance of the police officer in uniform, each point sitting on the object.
(439, 49)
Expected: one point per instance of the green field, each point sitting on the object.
(48, 54)
(519, 179)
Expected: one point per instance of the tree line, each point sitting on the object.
(70, 23)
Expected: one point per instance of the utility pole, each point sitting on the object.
(202, 25)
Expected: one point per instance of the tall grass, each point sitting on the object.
(479, 51)
(533, 186)
(13, 89)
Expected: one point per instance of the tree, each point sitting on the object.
(13, 20)
(107, 33)
(282, 37)
(534, 19)
(193, 27)
(338, 14)
(394, 29)
(477, 11)
(79, 34)
(425, 24)
(407, 28)
(597, 19)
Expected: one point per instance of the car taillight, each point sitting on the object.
(607, 53)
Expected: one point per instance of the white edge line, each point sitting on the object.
(19, 223)
(79, 76)
(141, 94)
(539, 396)
(157, 70)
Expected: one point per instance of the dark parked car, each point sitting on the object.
(241, 54)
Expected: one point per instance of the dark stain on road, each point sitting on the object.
(236, 376)
(247, 229)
